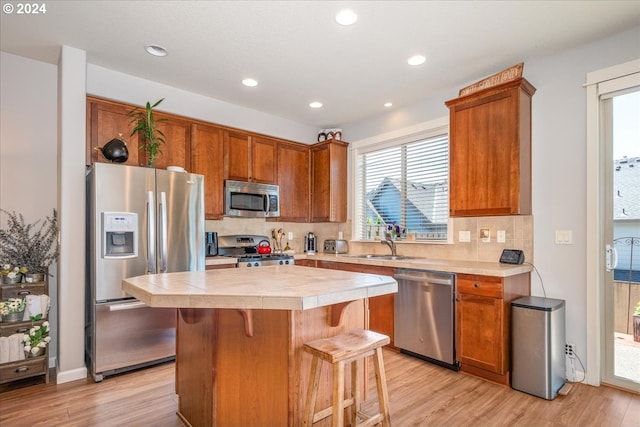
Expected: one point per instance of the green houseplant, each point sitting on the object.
(147, 126)
(33, 246)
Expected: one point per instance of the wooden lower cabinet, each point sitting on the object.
(380, 308)
(483, 323)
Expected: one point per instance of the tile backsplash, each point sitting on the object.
(518, 233)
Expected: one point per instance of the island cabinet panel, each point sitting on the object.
(293, 179)
(483, 323)
(226, 378)
(207, 159)
(381, 308)
(490, 151)
(329, 181)
(249, 157)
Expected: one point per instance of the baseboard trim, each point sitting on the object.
(71, 375)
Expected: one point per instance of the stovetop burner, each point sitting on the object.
(244, 248)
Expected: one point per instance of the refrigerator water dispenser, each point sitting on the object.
(119, 235)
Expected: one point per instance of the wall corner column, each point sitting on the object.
(72, 76)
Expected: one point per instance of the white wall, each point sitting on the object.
(559, 162)
(28, 148)
(105, 83)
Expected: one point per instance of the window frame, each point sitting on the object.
(425, 130)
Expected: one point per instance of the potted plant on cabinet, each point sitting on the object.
(146, 125)
(33, 246)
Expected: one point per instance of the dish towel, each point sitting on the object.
(36, 304)
(4, 349)
(16, 349)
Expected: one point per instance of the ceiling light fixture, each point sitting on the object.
(250, 82)
(346, 17)
(388, 104)
(416, 60)
(315, 104)
(155, 50)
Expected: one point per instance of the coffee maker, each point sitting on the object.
(310, 244)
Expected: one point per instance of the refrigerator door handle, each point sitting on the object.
(127, 306)
(151, 233)
(163, 231)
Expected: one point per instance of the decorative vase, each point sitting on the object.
(11, 280)
(34, 277)
(40, 352)
(636, 327)
(13, 317)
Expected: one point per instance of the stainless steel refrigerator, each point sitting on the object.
(139, 221)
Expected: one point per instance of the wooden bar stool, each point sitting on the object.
(353, 346)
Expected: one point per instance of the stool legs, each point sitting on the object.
(314, 382)
(381, 383)
(337, 419)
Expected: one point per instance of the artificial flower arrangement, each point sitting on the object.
(395, 231)
(13, 273)
(38, 337)
(12, 305)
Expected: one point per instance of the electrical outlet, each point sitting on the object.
(570, 350)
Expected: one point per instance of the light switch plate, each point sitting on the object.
(501, 236)
(564, 237)
(464, 236)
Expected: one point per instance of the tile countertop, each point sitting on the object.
(272, 287)
(453, 266)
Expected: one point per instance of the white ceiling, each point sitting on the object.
(299, 54)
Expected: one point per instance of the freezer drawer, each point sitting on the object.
(129, 335)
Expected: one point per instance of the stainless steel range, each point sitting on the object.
(247, 247)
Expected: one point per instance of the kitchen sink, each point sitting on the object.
(383, 257)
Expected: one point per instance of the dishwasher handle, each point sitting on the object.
(432, 279)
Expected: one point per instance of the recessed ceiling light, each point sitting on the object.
(416, 60)
(155, 50)
(388, 104)
(346, 17)
(250, 82)
(315, 104)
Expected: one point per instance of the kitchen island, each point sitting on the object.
(239, 356)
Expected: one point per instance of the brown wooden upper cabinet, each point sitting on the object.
(329, 181)
(293, 179)
(207, 159)
(249, 157)
(490, 151)
(107, 120)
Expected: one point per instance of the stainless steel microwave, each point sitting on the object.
(251, 200)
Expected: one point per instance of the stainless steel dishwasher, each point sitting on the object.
(424, 315)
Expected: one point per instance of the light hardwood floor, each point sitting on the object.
(421, 394)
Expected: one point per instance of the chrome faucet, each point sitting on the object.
(391, 244)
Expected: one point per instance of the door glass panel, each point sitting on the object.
(623, 287)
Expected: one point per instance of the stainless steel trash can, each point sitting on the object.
(538, 340)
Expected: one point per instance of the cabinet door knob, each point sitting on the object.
(475, 285)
